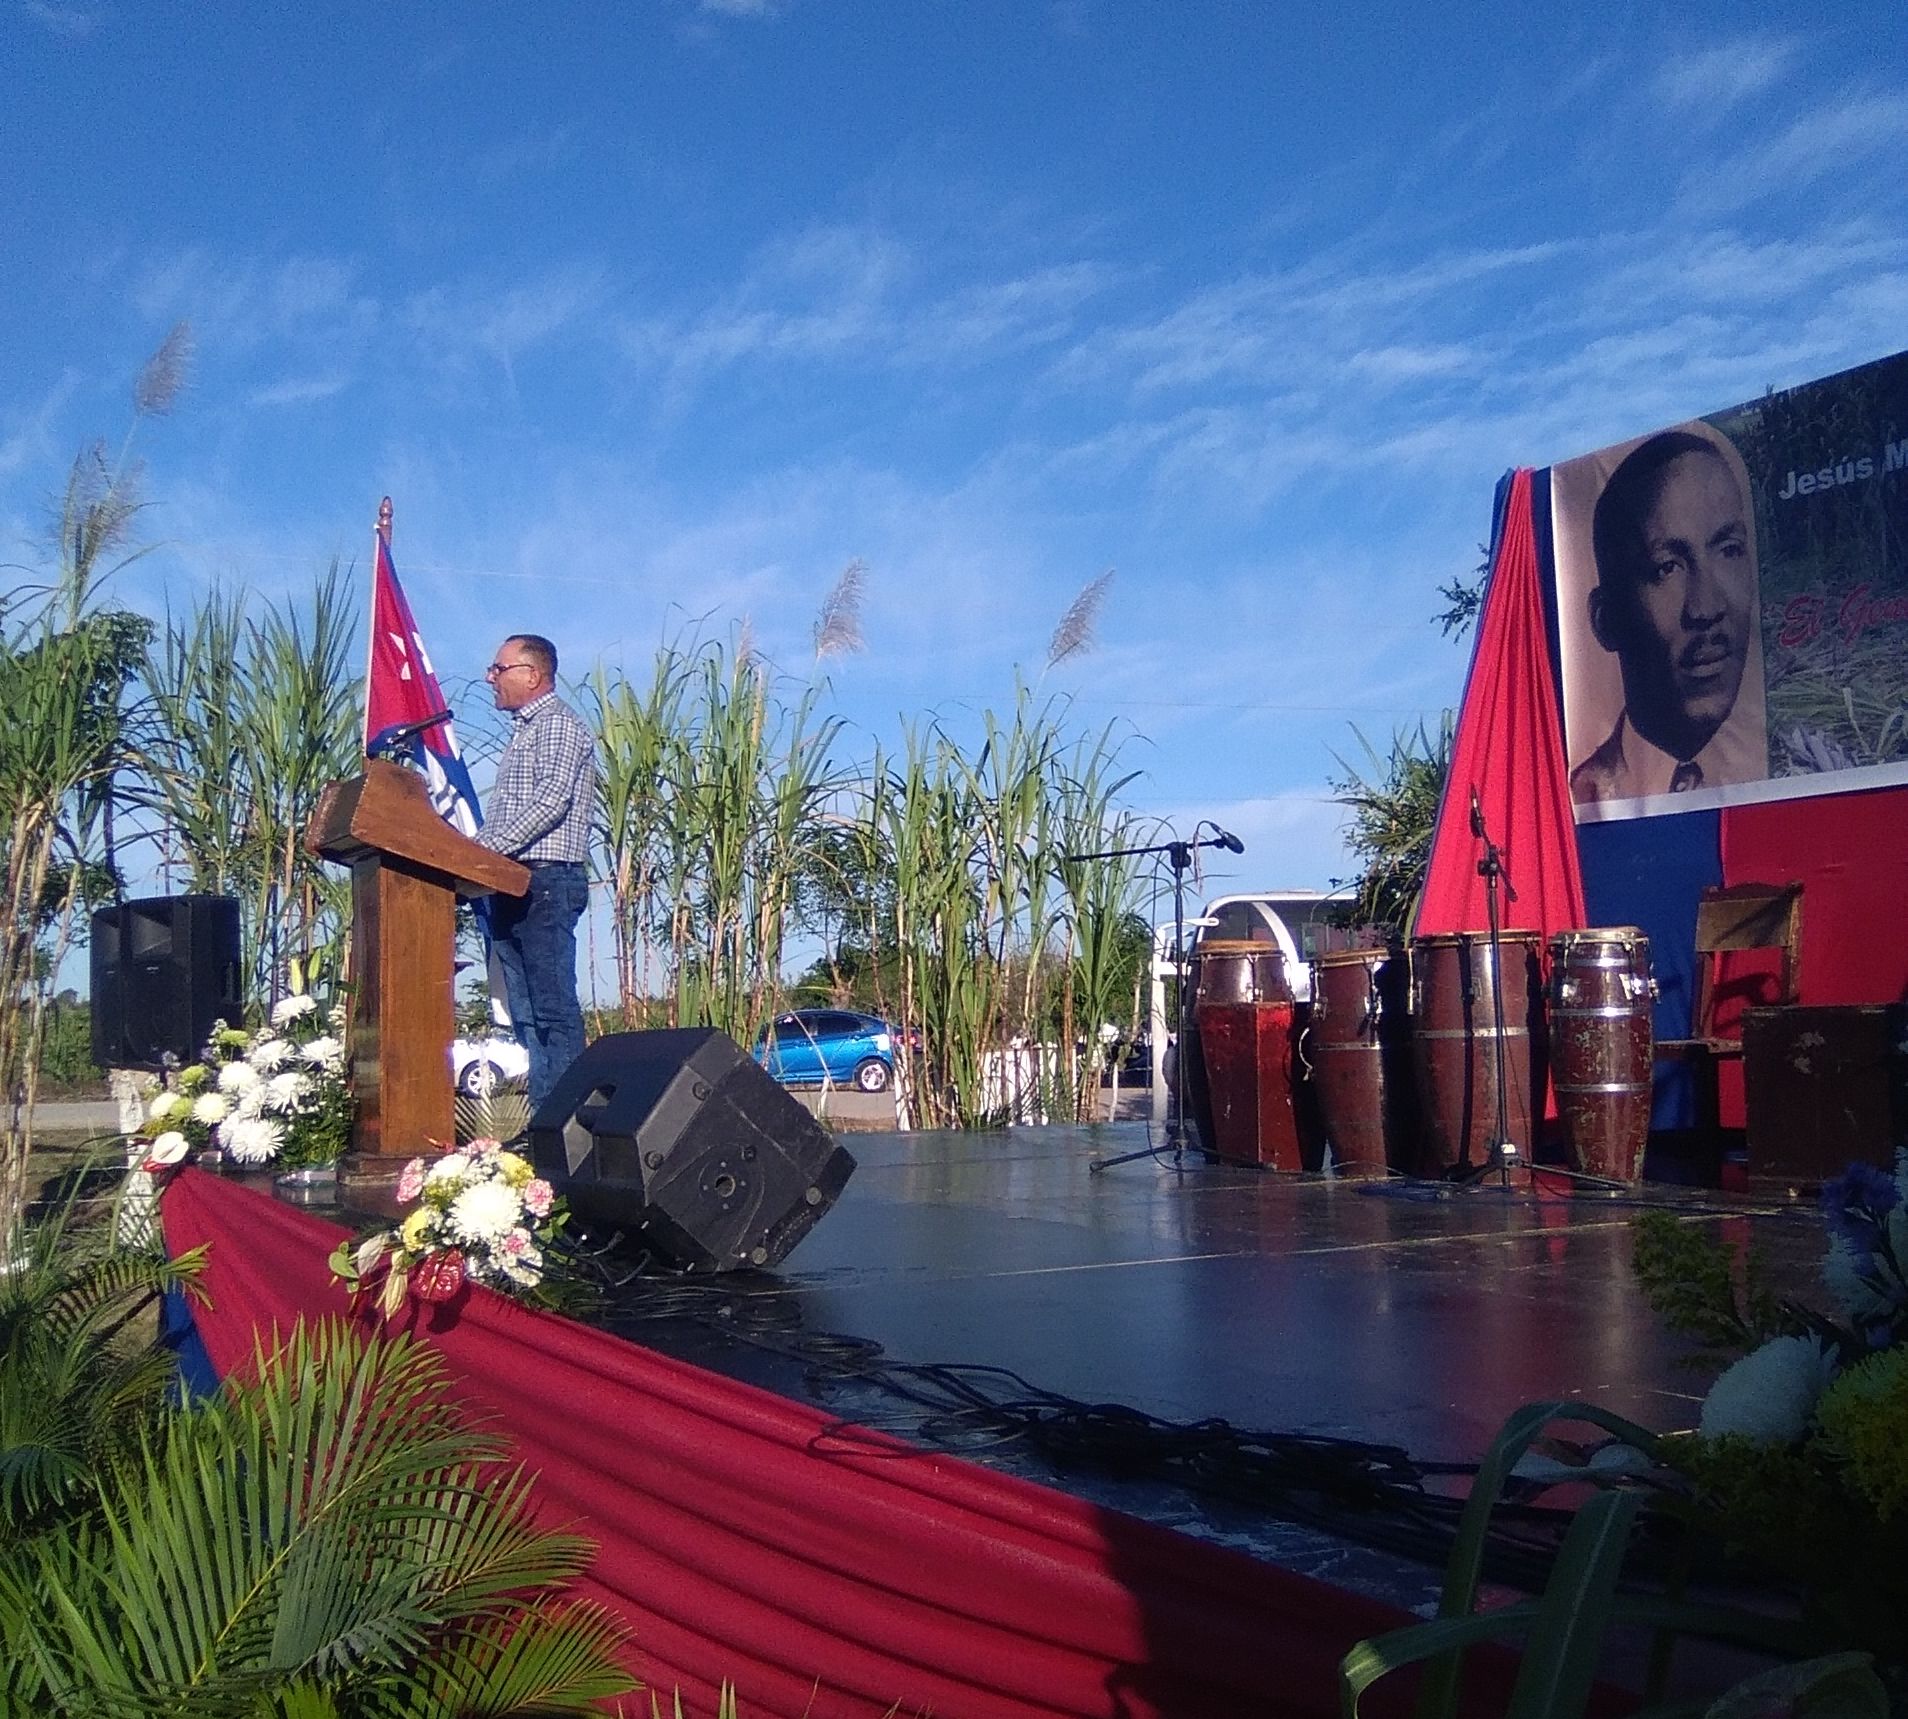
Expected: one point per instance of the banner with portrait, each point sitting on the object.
(1731, 603)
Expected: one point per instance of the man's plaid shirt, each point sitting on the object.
(545, 792)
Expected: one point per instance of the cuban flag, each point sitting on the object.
(400, 689)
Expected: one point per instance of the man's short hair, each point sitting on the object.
(1616, 528)
(540, 651)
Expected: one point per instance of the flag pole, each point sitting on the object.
(381, 535)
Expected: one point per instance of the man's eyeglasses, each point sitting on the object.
(497, 669)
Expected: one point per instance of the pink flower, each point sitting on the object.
(516, 1244)
(411, 1183)
(537, 1196)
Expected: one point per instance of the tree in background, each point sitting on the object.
(1394, 813)
(68, 665)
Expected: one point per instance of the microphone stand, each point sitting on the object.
(1492, 870)
(1179, 857)
(1504, 1150)
(391, 739)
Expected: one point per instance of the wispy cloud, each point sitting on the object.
(820, 292)
(298, 391)
(1838, 138)
(528, 154)
(28, 436)
(61, 20)
(1706, 83)
(1300, 323)
(503, 320)
(240, 303)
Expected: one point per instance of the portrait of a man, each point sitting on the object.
(1669, 591)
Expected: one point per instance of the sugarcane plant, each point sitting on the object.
(68, 662)
(254, 711)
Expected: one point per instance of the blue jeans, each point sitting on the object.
(535, 938)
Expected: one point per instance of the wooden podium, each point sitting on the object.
(407, 869)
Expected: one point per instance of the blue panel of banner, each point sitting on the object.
(1651, 873)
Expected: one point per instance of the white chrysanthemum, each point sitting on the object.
(211, 1108)
(287, 1091)
(252, 1139)
(270, 1055)
(288, 1009)
(250, 1102)
(169, 1148)
(164, 1104)
(325, 1051)
(237, 1077)
(452, 1167)
(1769, 1395)
(485, 1212)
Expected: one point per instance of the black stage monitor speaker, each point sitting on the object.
(164, 970)
(681, 1140)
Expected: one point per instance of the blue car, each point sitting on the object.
(809, 1046)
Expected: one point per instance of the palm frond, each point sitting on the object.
(335, 1525)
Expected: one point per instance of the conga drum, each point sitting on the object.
(1602, 1045)
(1243, 1015)
(1454, 1037)
(1357, 1048)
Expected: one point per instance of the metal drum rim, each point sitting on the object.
(1482, 1031)
(1452, 939)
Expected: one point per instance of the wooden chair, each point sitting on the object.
(1741, 916)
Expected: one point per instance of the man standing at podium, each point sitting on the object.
(539, 814)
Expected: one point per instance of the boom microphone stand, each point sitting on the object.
(1179, 857)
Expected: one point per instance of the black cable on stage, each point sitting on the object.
(1371, 1494)
(1431, 1190)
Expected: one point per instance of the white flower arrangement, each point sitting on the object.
(211, 1108)
(293, 1008)
(481, 1215)
(278, 1095)
(1769, 1396)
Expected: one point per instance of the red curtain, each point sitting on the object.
(1850, 854)
(826, 1570)
(1509, 749)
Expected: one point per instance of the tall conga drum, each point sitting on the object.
(1243, 1013)
(1454, 1038)
(1358, 1051)
(1602, 1045)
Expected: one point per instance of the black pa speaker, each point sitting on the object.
(681, 1140)
(164, 969)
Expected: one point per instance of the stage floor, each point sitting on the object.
(1397, 1314)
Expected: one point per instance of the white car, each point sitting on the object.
(480, 1066)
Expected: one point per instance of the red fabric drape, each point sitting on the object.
(1509, 747)
(1850, 854)
(747, 1537)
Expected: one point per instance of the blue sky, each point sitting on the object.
(668, 310)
